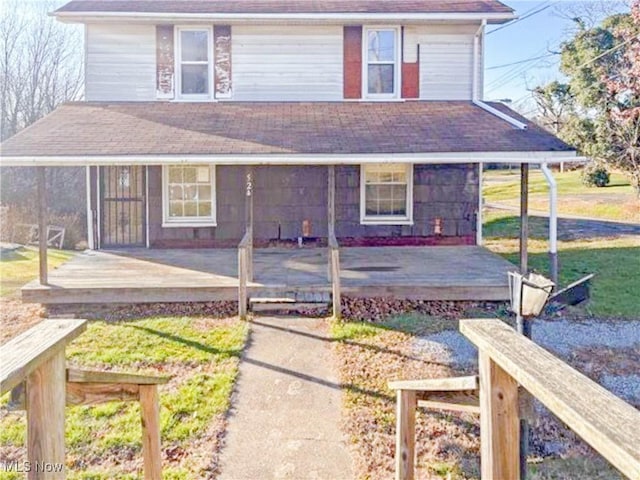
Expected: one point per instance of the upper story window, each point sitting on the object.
(194, 61)
(381, 72)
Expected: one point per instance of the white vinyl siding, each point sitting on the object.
(121, 63)
(287, 63)
(446, 68)
(446, 59)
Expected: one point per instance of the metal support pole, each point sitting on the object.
(42, 225)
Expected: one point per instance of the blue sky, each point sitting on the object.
(529, 38)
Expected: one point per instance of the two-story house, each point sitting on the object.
(367, 112)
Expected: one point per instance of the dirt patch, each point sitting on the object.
(17, 317)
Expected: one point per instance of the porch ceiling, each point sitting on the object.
(323, 132)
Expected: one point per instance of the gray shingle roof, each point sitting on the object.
(165, 128)
(287, 6)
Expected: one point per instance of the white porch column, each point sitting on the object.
(90, 231)
(553, 221)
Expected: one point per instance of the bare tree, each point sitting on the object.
(40, 63)
(41, 66)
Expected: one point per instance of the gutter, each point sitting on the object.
(292, 159)
(85, 16)
(476, 85)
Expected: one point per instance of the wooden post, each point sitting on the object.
(150, 415)
(335, 284)
(405, 434)
(331, 200)
(42, 224)
(524, 217)
(242, 279)
(46, 400)
(249, 219)
(499, 422)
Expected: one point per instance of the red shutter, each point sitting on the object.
(410, 75)
(165, 65)
(353, 62)
(222, 55)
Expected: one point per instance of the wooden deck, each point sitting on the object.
(198, 275)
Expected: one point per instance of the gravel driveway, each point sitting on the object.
(594, 347)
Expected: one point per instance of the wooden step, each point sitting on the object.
(271, 300)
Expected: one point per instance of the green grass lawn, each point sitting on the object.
(615, 261)
(104, 441)
(22, 267)
(617, 201)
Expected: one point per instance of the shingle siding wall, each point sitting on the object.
(286, 196)
(448, 192)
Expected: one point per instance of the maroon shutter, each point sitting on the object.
(165, 64)
(222, 55)
(353, 62)
(410, 74)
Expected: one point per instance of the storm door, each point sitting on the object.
(123, 206)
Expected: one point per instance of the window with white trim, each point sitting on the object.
(386, 194)
(189, 195)
(194, 61)
(381, 72)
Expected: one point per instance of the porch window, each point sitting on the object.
(381, 70)
(189, 195)
(194, 63)
(386, 192)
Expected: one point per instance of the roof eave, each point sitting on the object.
(531, 157)
(405, 18)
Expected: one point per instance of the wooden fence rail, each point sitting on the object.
(32, 368)
(506, 360)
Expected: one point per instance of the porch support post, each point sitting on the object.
(524, 217)
(249, 216)
(553, 222)
(331, 214)
(331, 200)
(42, 224)
(524, 325)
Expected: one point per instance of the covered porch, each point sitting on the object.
(201, 275)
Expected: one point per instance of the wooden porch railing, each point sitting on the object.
(32, 368)
(245, 272)
(334, 274)
(508, 360)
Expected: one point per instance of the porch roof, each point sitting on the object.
(169, 132)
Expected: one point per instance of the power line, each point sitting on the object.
(521, 61)
(611, 50)
(547, 5)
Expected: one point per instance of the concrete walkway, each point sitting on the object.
(285, 421)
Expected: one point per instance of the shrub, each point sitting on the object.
(595, 176)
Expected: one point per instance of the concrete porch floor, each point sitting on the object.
(197, 275)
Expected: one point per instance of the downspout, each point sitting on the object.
(553, 221)
(475, 95)
(475, 86)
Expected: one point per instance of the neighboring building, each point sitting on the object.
(185, 98)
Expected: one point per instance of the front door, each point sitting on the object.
(123, 206)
